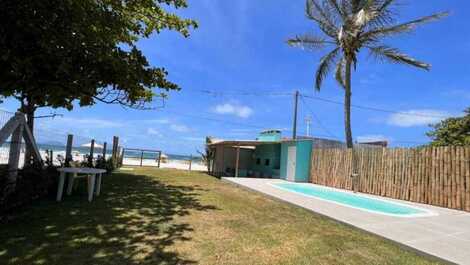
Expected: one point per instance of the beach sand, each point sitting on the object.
(174, 164)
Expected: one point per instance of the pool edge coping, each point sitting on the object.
(425, 212)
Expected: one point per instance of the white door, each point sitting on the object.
(291, 158)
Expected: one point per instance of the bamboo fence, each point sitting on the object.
(433, 175)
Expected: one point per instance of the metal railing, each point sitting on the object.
(141, 157)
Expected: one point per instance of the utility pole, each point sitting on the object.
(296, 101)
(308, 121)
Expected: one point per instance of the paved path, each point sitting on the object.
(446, 235)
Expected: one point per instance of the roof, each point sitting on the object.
(254, 142)
(243, 143)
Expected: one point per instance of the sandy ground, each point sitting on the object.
(175, 164)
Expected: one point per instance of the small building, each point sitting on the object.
(269, 156)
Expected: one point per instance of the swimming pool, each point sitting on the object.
(357, 201)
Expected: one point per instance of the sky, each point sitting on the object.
(239, 54)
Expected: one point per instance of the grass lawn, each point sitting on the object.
(151, 216)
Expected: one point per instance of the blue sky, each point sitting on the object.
(240, 47)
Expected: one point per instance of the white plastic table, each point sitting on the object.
(93, 176)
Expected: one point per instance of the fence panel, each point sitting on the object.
(432, 175)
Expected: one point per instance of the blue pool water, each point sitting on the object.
(354, 200)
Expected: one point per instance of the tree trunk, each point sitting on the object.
(347, 106)
(347, 126)
(29, 109)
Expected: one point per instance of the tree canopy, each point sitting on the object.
(452, 131)
(58, 52)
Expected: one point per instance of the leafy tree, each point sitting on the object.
(58, 52)
(452, 131)
(349, 27)
(55, 52)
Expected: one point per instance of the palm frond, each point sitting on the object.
(325, 66)
(401, 28)
(316, 12)
(338, 10)
(379, 13)
(310, 42)
(346, 7)
(384, 7)
(357, 5)
(395, 56)
(340, 68)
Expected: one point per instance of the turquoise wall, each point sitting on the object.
(264, 152)
(269, 136)
(303, 156)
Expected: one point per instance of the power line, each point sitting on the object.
(318, 119)
(374, 108)
(329, 134)
(234, 123)
(246, 93)
(243, 93)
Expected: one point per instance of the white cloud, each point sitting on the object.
(371, 138)
(88, 124)
(195, 139)
(412, 118)
(233, 109)
(154, 132)
(179, 128)
(156, 121)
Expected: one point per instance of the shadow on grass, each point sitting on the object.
(134, 221)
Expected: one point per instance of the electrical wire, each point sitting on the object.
(374, 108)
(327, 131)
(363, 107)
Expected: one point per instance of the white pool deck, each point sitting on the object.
(445, 235)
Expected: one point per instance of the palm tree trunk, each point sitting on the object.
(347, 125)
(347, 106)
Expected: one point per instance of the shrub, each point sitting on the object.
(106, 164)
(32, 183)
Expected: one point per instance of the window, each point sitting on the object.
(258, 161)
(266, 162)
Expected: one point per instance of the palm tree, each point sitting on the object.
(349, 27)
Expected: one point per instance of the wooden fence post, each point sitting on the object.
(121, 156)
(68, 150)
(104, 150)
(190, 161)
(114, 156)
(159, 158)
(92, 151)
